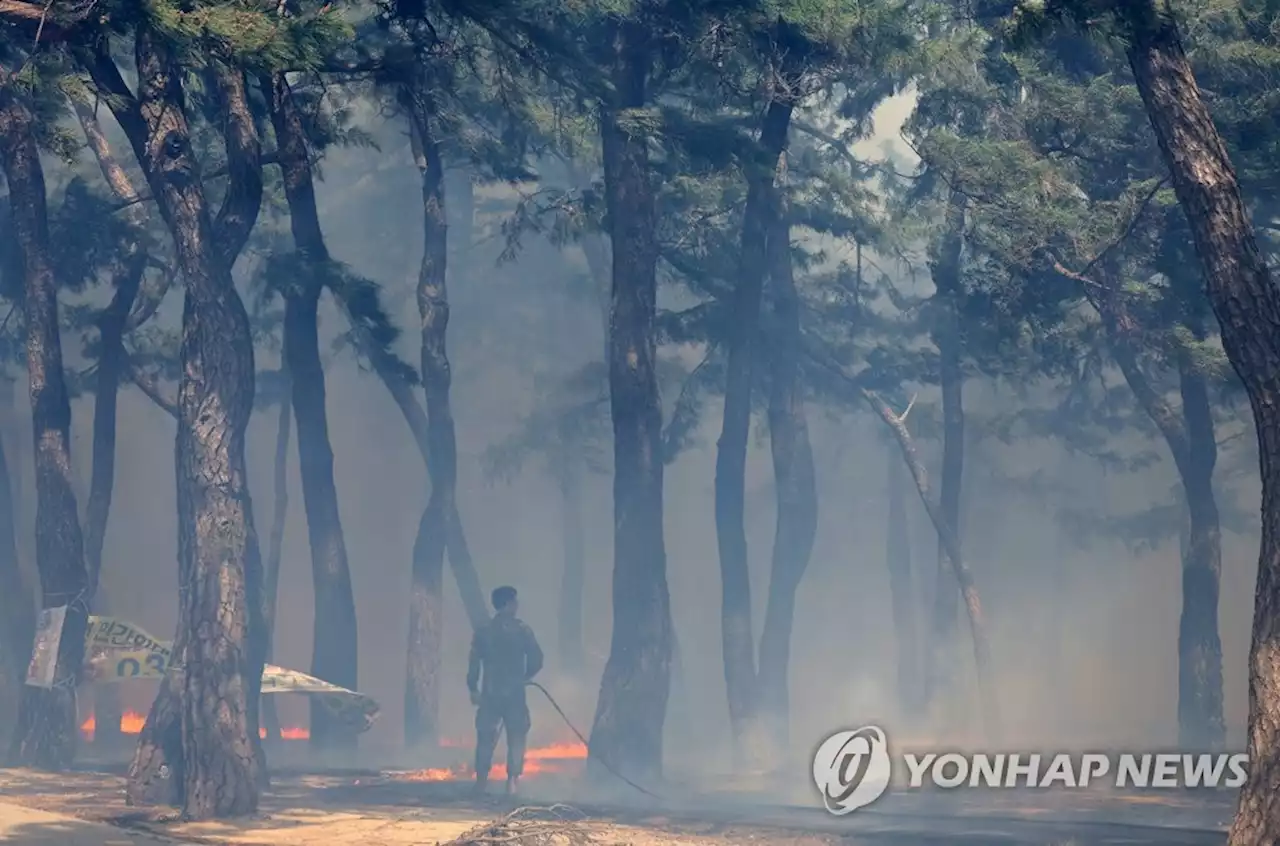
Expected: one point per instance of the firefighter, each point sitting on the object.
(504, 656)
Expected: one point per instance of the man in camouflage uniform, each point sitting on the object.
(504, 655)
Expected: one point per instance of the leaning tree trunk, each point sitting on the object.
(631, 709)
(797, 495)
(1247, 305)
(201, 736)
(736, 630)
(45, 736)
(945, 269)
(275, 552)
(392, 373)
(960, 570)
(902, 593)
(1192, 442)
(334, 633)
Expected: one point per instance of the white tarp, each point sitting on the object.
(118, 651)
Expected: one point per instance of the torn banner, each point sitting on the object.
(119, 651)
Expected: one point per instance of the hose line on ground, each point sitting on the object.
(580, 737)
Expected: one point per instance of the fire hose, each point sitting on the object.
(578, 734)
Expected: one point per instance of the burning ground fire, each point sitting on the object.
(558, 758)
(131, 722)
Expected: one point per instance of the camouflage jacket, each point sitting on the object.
(504, 655)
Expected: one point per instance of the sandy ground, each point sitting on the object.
(371, 809)
(87, 809)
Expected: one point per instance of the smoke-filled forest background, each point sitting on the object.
(1106, 610)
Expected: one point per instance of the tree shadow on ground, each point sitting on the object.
(74, 832)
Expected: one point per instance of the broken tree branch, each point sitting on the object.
(951, 543)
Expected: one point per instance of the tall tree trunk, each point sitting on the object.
(1192, 442)
(1200, 718)
(902, 591)
(736, 630)
(1247, 305)
(426, 608)
(334, 634)
(112, 324)
(945, 267)
(569, 468)
(17, 613)
(793, 472)
(275, 552)
(631, 709)
(46, 733)
(202, 733)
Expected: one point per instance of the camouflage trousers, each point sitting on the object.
(509, 712)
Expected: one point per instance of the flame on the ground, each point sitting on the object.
(131, 722)
(538, 760)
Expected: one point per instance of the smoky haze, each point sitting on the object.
(1084, 634)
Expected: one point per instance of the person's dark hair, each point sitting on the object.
(502, 597)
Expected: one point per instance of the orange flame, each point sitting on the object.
(539, 760)
(131, 722)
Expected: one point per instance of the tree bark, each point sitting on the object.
(797, 495)
(275, 552)
(334, 635)
(631, 709)
(426, 608)
(945, 268)
(17, 613)
(1247, 305)
(902, 588)
(959, 567)
(736, 629)
(1200, 719)
(202, 733)
(46, 734)
(112, 324)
